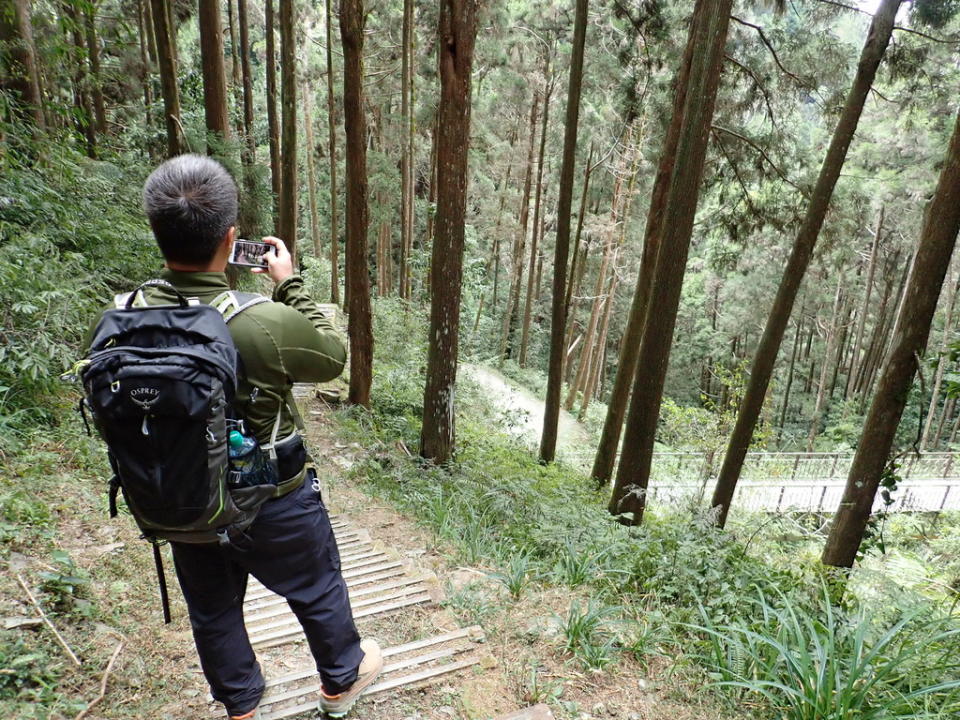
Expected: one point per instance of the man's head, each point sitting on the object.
(191, 202)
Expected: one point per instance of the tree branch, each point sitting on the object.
(763, 154)
(766, 41)
(760, 86)
(736, 173)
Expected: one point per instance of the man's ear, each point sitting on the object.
(230, 236)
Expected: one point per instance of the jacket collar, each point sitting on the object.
(196, 283)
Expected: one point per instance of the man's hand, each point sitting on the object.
(279, 262)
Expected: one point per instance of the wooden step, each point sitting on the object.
(409, 665)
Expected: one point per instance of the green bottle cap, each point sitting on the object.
(236, 439)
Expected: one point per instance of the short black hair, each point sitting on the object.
(191, 202)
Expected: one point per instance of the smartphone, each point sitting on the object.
(249, 253)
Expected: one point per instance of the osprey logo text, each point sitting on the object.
(145, 397)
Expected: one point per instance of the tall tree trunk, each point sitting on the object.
(937, 240)
(311, 171)
(332, 152)
(21, 75)
(828, 352)
(214, 78)
(81, 97)
(534, 250)
(793, 364)
(234, 55)
(288, 149)
(577, 266)
(167, 62)
(457, 34)
(596, 364)
(708, 34)
(520, 242)
(96, 78)
(871, 271)
(148, 26)
(947, 412)
(766, 355)
(249, 214)
(145, 66)
(406, 152)
(359, 327)
(273, 123)
(558, 315)
(941, 368)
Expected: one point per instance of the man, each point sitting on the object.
(191, 202)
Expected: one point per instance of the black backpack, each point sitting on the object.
(159, 382)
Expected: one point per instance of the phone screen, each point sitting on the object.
(249, 253)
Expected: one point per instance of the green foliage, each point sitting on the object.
(517, 574)
(817, 664)
(586, 634)
(71, 236)
(29, 674)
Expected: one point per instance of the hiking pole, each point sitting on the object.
(164, 598)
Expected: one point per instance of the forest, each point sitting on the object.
(709, 245)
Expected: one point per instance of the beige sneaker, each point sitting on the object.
(336, 706)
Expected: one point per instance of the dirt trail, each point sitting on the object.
(529, 409)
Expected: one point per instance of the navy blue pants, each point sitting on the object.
(293, 552)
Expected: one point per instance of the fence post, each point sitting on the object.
(948, 467)
(833, 467)
(796, 464)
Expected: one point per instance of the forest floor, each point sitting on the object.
(526, 409)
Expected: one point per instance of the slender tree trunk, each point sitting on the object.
(81, 97)
(149, 25)
(519, 245)
(96, 79)
(558, 315)
(534, 249)
(406, 152)
(166, 61)
(937, 240)
(234, 55)
(882, 336)
(288, 101)
(214, 78)
(576, 274)
(273, 122)
(877, 39)
(793, 364)
(145, 66)
(829, 350)
(947, 412)
(871, 270)
(21, 75)
(311, 171)
(332, 152)
(708, 34)
(249, 214)
(941, 367)
(457, 34)
(359, 327)
(596, 363)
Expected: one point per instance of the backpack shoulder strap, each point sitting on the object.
(120, 301)
(230, 303)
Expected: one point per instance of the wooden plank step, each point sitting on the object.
(408, 665)
(269, 606)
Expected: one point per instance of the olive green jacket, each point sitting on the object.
(280, 343)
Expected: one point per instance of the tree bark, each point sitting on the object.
(937, 241)
(21, 75)
(214, 77)
(828, 352)
(520, 242)
(941, 368)
(81, 97)
(273, 123)
(871, 270)
(311, 171)
(558, 315)
(167, 63)
(288, 148)
(538, 195)
(249, 213)
(332, 152)
(406, 144)
(145, 64)
(359, 327)
(793, 364)
(234, 55)
(576, 273)
(876, 44)
(96, 79)
(457, 35)
(596, 364)
(708, 35)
